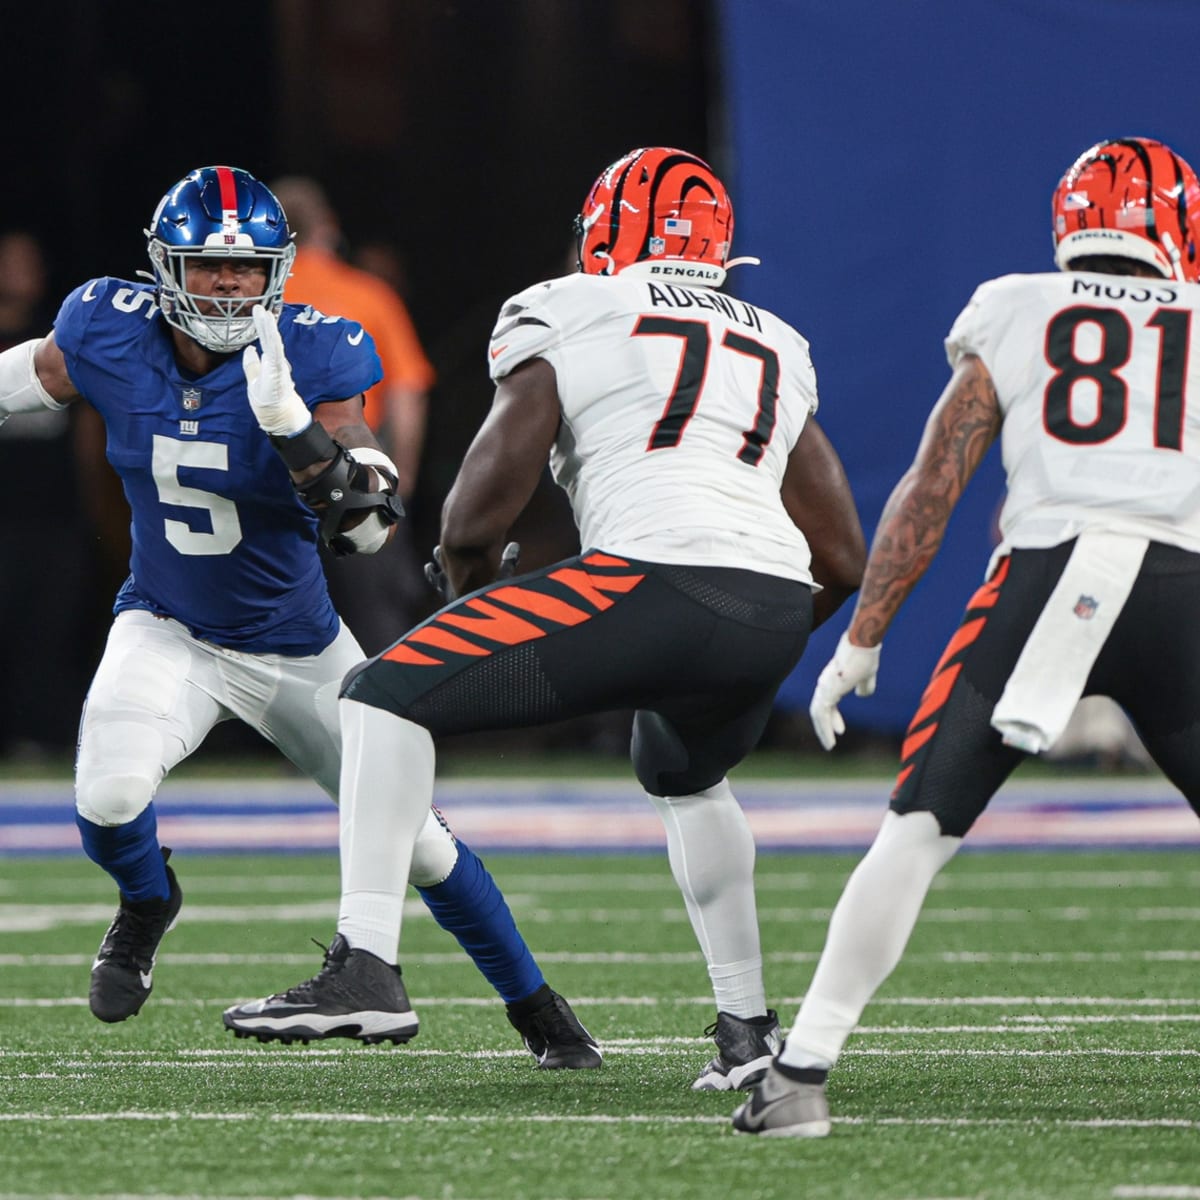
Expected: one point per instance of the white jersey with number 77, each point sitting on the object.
(680, 406)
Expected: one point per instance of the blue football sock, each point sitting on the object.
(468, 904)
(129, 853)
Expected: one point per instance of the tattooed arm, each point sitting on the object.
(964, 423)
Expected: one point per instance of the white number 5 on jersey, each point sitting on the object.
(169, 455)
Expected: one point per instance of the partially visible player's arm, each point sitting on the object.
(499, 474)
(33, 377)
(335, 462)
(816, 494)
(962, 426)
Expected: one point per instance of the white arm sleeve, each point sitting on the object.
(20, 388)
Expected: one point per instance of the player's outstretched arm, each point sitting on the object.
(962, 426)
(499, 474)
(816, 494)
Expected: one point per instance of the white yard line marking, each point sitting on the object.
(552, 882)
(649, 958)
(1138, 1191)
(310, 1057)
(1021, 1002)
(40, 918)
(651, 1119)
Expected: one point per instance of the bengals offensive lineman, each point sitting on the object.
(679, 420)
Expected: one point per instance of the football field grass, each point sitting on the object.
(1039, 1040)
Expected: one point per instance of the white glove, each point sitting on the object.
(273, 398)
(852, 668)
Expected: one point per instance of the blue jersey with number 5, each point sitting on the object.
(221, 541)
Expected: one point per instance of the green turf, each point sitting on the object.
(1039, 1040)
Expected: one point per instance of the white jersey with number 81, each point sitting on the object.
(1098, 377)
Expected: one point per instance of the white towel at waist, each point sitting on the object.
(1053, 667)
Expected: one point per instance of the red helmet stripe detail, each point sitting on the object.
(228, 189)
(656, 203)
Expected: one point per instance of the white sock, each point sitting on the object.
(711, 852)
(869, 929)
(384, 794)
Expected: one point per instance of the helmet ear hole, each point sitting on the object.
(220, 213)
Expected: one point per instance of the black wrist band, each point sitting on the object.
(310, 445)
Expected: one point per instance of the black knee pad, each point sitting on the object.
(662, 761)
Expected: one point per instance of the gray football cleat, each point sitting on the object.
(745, 1047)
(784, 1107)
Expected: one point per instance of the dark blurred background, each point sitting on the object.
(883, 160)
(456, 138)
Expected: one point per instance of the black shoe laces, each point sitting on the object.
(133, 937)
(555, 1025)
(306, 990)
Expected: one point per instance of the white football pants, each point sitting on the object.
(158, 691)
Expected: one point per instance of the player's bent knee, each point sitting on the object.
(113, 799)
(665, 764)
(434, 854)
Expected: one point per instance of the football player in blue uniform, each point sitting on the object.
(235, 423)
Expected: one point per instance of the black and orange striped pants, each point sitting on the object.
(953, 762)
(698, 652)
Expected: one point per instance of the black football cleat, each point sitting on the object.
(354, 995)
(121, 974)
(552, 1033)
(745, 1047)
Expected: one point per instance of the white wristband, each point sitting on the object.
(20, 388)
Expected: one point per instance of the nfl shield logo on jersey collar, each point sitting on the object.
(191, 399)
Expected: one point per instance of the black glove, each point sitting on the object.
(435, 571)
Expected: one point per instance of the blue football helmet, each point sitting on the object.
(218, 212)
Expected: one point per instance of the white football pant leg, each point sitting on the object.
(148, 708)
(386, 793)
(711, 852)
(434, 855)
(868, 931)
(293, 703)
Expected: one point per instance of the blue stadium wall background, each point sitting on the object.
(885, 159)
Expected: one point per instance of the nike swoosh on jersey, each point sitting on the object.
(89, 293)
(355, 338)
(499, 350)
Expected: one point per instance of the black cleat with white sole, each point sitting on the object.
(745, 1047)
(553, 1034)
(121, 974)
(354, 995)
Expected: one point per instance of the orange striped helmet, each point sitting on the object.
(1130, 198)
(658, 213)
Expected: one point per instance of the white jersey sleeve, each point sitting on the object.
(680, 406)
(1093, 374)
